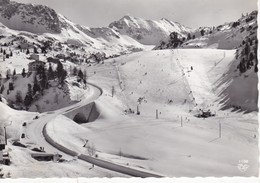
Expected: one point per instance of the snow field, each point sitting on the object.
(165, 145)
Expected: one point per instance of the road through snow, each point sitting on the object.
(38, 135)
(34, 131)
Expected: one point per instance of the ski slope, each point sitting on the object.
(177, 144)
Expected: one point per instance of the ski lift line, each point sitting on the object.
(183, 76)
(216, 63)
(188, 86)
(119, 77)
(186, 83)
(120, 84)
(176, 80)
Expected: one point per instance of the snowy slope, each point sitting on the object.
(225, 36)
(229, 35)
(177, 83)
(164, 145)
(148, 32)
(142, 141)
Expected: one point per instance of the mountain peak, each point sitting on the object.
(128, 17)
(165, 19)
(148, 32)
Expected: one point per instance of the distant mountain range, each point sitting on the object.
(38, 24)
(125, 35)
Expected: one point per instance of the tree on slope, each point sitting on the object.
(43, 83)
(63, 77)
(50, 73)
(75, 71)
(11, 86)
(8, 73)
(202, 32)
(18, 97)
(14, 72)
(189, 36)
(85, 77)
(80, 74)
(2, 89)
(61, 73)
(27, 51)
(29, 97)
(36, 86)
(23, 73)
(35, 50)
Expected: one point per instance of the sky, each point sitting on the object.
(191, 13)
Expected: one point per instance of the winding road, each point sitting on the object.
(36, 134)
(34, 131)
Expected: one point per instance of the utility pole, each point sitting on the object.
(137, 110)
(113, 91)
(5, 136)
(6, 133)
(219, 130)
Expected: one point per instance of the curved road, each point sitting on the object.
(36, 133)
(34, 129)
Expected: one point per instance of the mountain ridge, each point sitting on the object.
(148, 31)
(229, 35)
(41, 19)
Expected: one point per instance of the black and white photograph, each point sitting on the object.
(128, 89)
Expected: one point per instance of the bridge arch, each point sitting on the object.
(84, 114)
(80, 118)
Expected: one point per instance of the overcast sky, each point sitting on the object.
(192, 13)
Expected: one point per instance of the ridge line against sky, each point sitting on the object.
(191, 13)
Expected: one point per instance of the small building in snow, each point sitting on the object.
(35, 57)
(25, 46)
(32, 66)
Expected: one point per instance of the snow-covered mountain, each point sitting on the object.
(28, 17)
(148, 32)
(225, 36)
(38, 24)
(154, 100)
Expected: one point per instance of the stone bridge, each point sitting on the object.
(85, 114)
